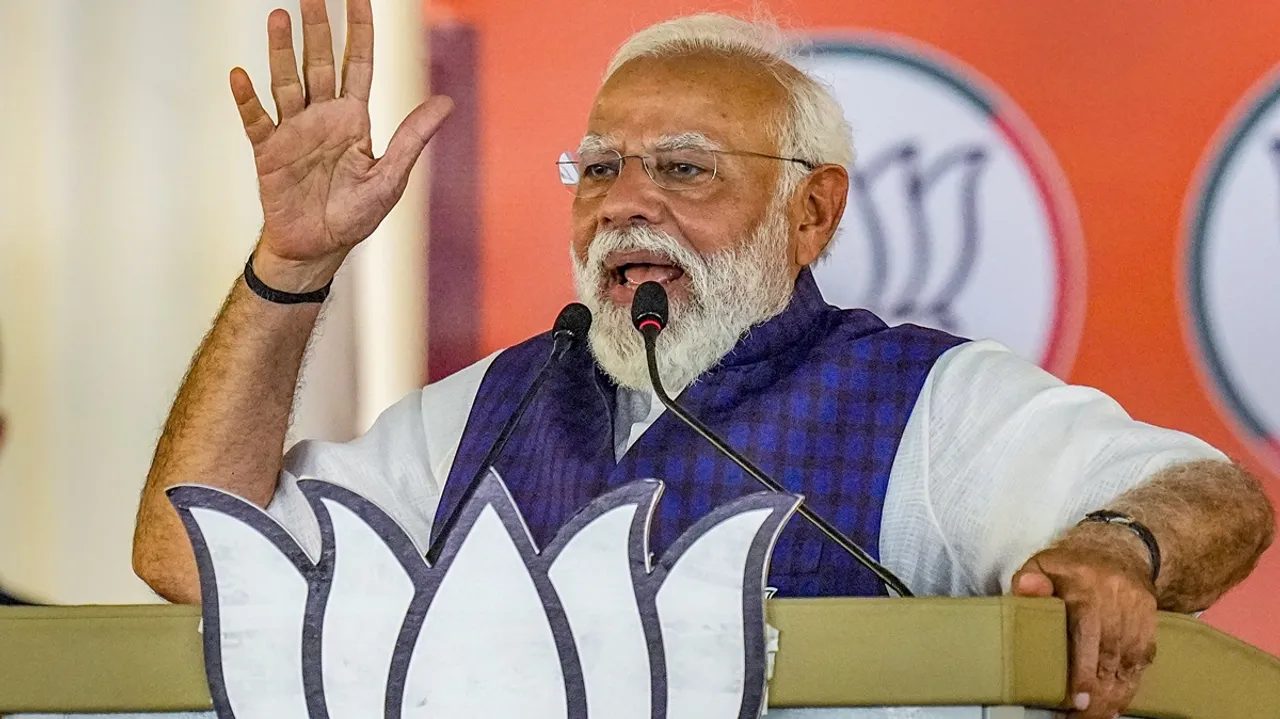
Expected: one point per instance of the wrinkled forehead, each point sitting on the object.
(704, 100)
(688, 140)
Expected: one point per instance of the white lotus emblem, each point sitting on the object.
(586, 627)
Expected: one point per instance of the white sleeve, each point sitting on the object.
(998, 458)
(400, 464)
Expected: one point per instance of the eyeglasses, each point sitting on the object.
(592, 174)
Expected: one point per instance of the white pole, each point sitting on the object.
(391, 265)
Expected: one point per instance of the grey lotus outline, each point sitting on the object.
(647, 577)
(970, 159)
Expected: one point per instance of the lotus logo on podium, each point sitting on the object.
(497, 627)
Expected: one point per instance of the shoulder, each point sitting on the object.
(428, 418)
(1010, 408)
(459, 387)
(991, 359)
(864, 332)
(529, 353)
(979, 386)
(986, 372)
(447, 403)
(513, 366)
(463, 384)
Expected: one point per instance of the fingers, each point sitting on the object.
(1142, 637)
(1030, 581)
(1084, 630)
(1111, 623)
(1109, 692)
(257, 123)
(1113, 642)
(318, 67)
(317, 51)
(286, 87)
(1137, 646)
(407, 143)
(357, 65)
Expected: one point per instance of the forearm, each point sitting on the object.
(1211, 519)
(226, 429)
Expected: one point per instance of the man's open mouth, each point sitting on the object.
(638, 273)
(636, 268)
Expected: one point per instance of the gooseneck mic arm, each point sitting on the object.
(572, 325)
(649, 315)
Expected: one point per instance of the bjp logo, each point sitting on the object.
(1229, 267)
(958, 215)
(590, 626)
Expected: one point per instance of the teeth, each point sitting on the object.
(627, 270)
(622, 273)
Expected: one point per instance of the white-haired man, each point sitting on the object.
(712, 165)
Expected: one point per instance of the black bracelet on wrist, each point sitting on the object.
(1106, 516)
(261, 289)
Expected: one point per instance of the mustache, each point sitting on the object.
(640, 239)
(592, 272)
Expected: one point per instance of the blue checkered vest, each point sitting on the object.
(818, 397)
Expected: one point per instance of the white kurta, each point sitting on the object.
(997, 458)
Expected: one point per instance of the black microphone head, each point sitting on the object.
(574, 320)
(649, 307)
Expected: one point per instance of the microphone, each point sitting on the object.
(649, 313)
(571, 325)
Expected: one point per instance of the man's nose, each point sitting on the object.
(633, 199)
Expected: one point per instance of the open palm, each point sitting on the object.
(322, 190)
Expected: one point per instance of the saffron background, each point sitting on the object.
(1128, 96)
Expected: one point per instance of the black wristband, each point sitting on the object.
(260, 289)
(1106, 516)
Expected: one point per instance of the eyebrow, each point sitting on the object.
(681, 141)
(687, 141)
(595, 143)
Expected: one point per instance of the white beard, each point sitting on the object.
(730, 292)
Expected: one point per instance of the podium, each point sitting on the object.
(1004, 657)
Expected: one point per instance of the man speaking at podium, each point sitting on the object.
(712, 166)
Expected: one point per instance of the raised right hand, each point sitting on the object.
(322, 190)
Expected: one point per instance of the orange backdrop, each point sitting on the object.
(1127, 95)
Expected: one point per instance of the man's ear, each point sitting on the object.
(820, 202)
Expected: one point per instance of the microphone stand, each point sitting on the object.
(650, 330)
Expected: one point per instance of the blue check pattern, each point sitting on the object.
(818, 397)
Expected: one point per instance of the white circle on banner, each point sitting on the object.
(1230, 268)
(959, 218)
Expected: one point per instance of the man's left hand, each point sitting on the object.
(1111, 615)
